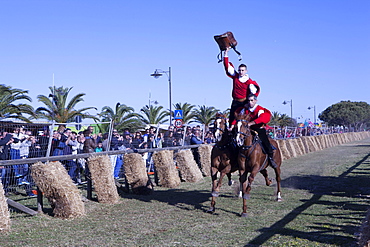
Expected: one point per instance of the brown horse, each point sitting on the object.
(223, 157)
(252, 159)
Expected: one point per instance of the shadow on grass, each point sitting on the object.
(341, 186)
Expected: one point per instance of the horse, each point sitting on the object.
(252, 159)
(223, 157)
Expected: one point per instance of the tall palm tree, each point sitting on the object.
(122, 116)
(205, 115)
(59, 109)
(153, 115)
(8, 107)
(187, 112)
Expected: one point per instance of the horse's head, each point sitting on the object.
(220, 126)
(243, 131)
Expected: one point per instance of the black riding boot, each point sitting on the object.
(271, 160)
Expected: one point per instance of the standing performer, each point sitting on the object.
(242, 85)
(260, 116)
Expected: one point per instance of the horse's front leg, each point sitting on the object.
(265, 175)
(243, 188)
(214, 194)
(278, 180)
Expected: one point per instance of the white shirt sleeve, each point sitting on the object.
(253, 88)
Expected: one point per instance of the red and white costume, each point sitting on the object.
(242, 86)
(261, 116)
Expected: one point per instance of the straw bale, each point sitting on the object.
(136, 174)
(301, 146)
(102, 177)
(316, 142)
(290, 148)
(205, 159)
(64, 197)
(321, 141)
(305, 143)
(4, 211)
(297, 147)
(283, 149)
(166, 169)
(309, 143)
(189, 170)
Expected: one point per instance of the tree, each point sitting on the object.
(153, 115)
(122, 116)
(59, 109)
(187, 112)
(205, 115)
(8, 106)
(275, 119)
(347, 113)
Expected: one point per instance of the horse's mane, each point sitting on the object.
(243, 116)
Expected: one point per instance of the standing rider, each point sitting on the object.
(259, 118)
(242, 85)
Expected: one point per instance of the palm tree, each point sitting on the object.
(59, 109)
(285, 120)
(8, 107)
(275, 119)
(122, 116)
(153, 115)
(205, 115)
(187, 112)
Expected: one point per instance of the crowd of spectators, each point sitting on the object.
(21, 143)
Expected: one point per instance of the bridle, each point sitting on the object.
(247, 134)
(218, 128)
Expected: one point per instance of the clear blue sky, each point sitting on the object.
(315, 53)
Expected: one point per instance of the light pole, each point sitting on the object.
(157, 73)
(314, 112)
(291, 107)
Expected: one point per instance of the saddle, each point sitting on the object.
(225, 41)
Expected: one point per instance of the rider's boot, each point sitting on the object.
(271, 160)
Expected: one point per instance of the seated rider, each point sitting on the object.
(259, 118)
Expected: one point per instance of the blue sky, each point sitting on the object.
(315, 53)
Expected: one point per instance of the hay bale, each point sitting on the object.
(64, 197)
(136, 174)
(189, 170)
(205, 159)
(4, 211)
(305, 144)
(102, 177)
(316, 142)
(283, 149)
(290, 147)
(297, 147)
(301, 146)
(166, 169)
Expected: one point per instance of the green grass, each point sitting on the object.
(325, 198)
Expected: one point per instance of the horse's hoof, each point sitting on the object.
(243, 215)
(231, 182)
(269, 182)
(279, 199)
(211, 210)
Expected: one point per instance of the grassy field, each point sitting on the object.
(325, 198)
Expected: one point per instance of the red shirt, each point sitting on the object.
(240, 89)
(261, 116)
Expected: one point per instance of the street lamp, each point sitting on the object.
(291, 107)
(314, 112)
(157, 73)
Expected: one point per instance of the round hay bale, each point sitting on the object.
(189, 170)
(283, 149)
(205, 159)
(136, 174)
(102, 177)
(4, 211)
(167, 173)
(64, 197)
